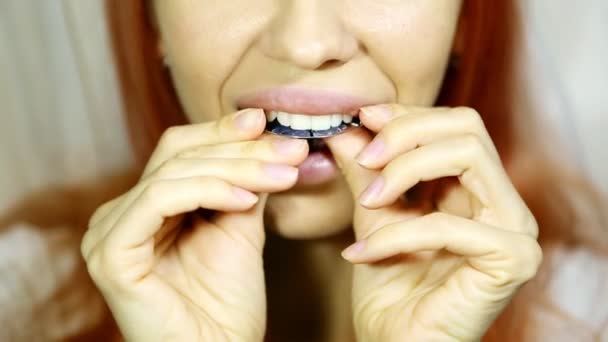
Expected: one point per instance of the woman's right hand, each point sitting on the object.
(165, 277)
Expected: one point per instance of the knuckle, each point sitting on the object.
(223, 126)
(256, 167)
(252, 148)
(210, 184)
(478, 140)
(88, 240)
(102, 211)
(95, 269)
(531, 226)
(473, 146)
(475, 119)
(167, 146)
(469, 112)
(99, 214)
(102, 268)
(170, 136)
(85, 246)
(107, 270)
(527, 260)
(532, 258)
(396, 127)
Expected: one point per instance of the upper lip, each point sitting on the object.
(304, 101)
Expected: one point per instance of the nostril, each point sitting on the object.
(329, 64)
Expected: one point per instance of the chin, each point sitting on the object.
(312, 212)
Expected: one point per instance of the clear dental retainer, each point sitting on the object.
(275, 127)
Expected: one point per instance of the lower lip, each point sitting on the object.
(320, 167)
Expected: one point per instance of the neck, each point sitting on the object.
(336, 277)
(309, 289)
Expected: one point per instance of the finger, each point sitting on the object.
(377, 116)
(246, 124)
(275, 150)
(490, 250)
(270, 148)
(249, 174)
(167, 198)
(344, 148)
(252, 175)
(410, 128)
(187, 195)
(249, 223)
(477, 171)
(104, 210)
(496, 263)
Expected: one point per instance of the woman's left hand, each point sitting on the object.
(422, 273)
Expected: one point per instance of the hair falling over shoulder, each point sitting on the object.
(570, 213)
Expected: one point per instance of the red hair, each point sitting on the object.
(479, 76)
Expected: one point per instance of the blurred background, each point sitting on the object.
(61, 125)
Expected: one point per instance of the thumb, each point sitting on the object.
(249, 224)
(345, 147)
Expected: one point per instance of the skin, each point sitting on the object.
(287, 42)
(449, 264)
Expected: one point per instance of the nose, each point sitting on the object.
(308, 34)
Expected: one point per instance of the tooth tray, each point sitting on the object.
(276, 128)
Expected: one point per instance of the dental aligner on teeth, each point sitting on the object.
(307, 126)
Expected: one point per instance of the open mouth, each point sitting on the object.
(312, 114)
(302, 126)
(320, 166)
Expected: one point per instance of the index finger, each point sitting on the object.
(246, 124)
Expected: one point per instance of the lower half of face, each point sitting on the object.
(311, 212)
(308, 62)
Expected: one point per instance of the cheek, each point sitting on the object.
(411, 43)
(204, 44)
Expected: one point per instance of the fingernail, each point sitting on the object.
(281, 172)
(248, 119)
(381, 112)
(354, 249)
(288, 146)
(372, 191)
(244, 195)
(371, 152)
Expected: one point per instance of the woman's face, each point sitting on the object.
(308, 57)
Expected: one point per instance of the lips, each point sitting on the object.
(304, 101)
(320, 166)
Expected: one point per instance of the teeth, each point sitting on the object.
(271, 116)
(321, 123)
(300, 122)
(336, 120)
(284, 119)
(308, 122)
